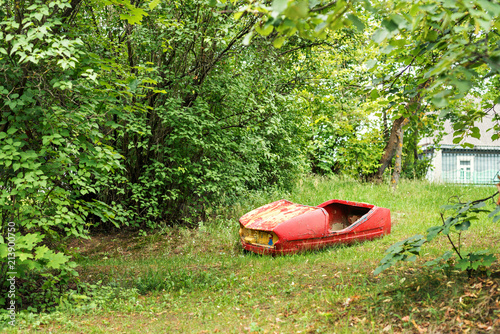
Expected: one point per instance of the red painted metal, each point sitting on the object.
(299, 227)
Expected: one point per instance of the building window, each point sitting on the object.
(465, 169)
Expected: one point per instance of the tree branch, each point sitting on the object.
(328, 5)
(451, 242)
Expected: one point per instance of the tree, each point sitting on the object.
(343, 138)
(430, 53)
(206, 117)
(51, 152)
(452, 50)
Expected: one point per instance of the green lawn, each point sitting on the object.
(199, 281)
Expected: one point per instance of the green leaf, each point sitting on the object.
(479, 205)
(380, 35)
(400, 21)
(356, 21)
(414, 10)
(133, 85)
(446, 229)
(433, 232)
(23, 256)
(38, 16)
(247, 38)
(237, 15)
(278, 42)
(264, 31)
(494, 212)
(468, 145)
(462, 264)
(279, 5)
(412, 258)
(488, 260)
(152, 5)
(371, 63)
(431, 36)
(440, 102)
(444, 112)
(40, 252)
(374, 94)
(449, 207)
(490, 6)
(464, 226)
(390, 25)
(3, 251)
(475, 133)
(134, 16)
(297, 10)
(55, 259)
(462, 85)
(445, 257)
(383, 267)
(28, 241)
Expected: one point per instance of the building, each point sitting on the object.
(456, 164)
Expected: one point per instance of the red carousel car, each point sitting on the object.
(284, 227)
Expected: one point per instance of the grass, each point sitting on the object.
(199, 281)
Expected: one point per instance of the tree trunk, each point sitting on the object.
(395, 138)
(386, 128)
(398, 161)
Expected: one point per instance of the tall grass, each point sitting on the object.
(200, 280)
(214, 247)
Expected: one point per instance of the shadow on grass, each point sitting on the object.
(422, 300)
(306, 252)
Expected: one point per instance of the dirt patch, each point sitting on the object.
(102, 244)
(102, 249)
(125, 244)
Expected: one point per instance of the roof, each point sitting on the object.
(483, 143)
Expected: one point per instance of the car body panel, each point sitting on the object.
(267, 217)
(294, 227)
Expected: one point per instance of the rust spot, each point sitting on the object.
(271, 215)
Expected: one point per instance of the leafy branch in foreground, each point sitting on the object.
(457, 223)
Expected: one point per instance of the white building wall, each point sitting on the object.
(435, 172)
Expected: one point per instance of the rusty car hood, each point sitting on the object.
(267, 217)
